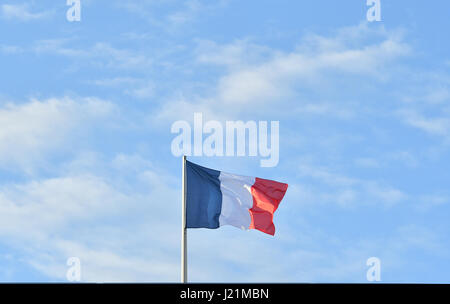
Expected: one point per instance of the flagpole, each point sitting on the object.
(183, 226)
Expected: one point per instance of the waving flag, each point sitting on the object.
(215, 198)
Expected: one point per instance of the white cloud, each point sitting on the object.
(326, 109)
(117, 81)
(20, 12)
(100, 54)
(425, 104)
(190, 10)
(260, 79)
(11, 49)
(139, 88)
(409, 159)
(180, 13)
(438, 95)
(367, 162)
(277, 78)
(240, 53)
(30, 129)
(426, 202)
(388, 159)
(43, 206)
(437, 125)
(346, 191)
(313, 255)
(116, 226)
(105, 265)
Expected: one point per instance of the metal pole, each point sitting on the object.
(183, 227)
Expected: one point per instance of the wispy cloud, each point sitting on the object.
(425, 104)
(27, 127)
(11, 49)
(309, 260)
(138, 88)
(21, 12)
(100, 54)
(434, 125)
(258, 78)
(428, 202)
(346, 191)
(180, 13)
(84, 212)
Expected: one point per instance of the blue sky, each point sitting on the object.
(86, 108)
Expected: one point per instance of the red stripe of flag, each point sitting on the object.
(267, 195)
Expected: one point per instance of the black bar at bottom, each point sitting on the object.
(223, 293)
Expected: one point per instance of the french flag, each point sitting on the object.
(215, 198)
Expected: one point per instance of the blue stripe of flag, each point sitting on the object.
(203, 197)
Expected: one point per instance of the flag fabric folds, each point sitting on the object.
(215, 198)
